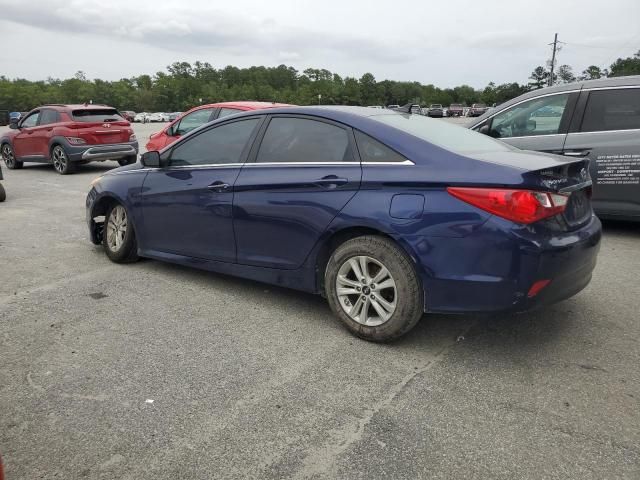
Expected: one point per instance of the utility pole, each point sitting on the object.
(553, 58)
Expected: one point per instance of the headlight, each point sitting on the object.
(133, 137)
(76, 140)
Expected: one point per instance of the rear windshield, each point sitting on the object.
(446, 135)
(97, 115)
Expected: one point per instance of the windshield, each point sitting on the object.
(97, 115)
(446, 135)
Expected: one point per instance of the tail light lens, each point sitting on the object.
(520, 206)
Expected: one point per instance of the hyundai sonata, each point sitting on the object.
(389, 215)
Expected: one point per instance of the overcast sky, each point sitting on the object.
(444, 42)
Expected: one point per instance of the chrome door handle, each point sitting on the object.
(330, 181)
(577, 153)
(219, 187)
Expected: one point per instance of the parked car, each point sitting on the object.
(69, 135)
(435, 110)
(3, 194)
(477, 109)
(174, 115)
(15, 116)
(455, 110)
(155, 117)
(391, 107)
(387, 214)
(128, 115)
(141, 117)
(200, 115)
(596, 120)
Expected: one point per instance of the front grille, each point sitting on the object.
(578, 210)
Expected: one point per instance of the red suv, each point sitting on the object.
(199, 116)
(68, 135)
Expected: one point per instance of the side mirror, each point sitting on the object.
(484, 129)
(151, 159)
(13, 124)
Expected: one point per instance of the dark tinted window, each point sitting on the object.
(48, 116)
(223, 144)
(31, 120)
(612, 110)
(193, 120)
(97, 115)
(225, 112)
(303, 140)
(372, 150)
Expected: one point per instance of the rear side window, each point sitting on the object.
(217, 146)
(371, 150)
(300, 140)
(48, 116)
(101, 115)
(612, 110)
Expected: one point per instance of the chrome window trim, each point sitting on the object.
(619, 87)
(592, 132)
(533, 136)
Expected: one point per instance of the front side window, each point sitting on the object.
(225, 112)
(612, 110)
(371, 150)
(219, 145)
(193, 120)
(538, 116)
(300, 140)
(31, 120)
(48, 116)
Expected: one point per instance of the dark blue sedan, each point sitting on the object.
(388, 215)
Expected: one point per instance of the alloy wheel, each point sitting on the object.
(59, 159)
(366, 290)
(116, 228)
(8, 156)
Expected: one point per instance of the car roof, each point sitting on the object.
(242, 105)
(630, 80)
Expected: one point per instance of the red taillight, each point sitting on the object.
(537, 287)
(521, 206)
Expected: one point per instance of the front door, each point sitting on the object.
(187, 206)
(24, 143)
(298, 179)
(609, 136)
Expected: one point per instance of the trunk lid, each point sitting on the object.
(100, 126)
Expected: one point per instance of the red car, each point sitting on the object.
(69, 135)
(199, 116)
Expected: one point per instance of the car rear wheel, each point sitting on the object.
(127, 160)
(119, 239)
(373, 288)
(61, 161)
(9, 158)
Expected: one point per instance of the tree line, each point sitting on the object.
(184, 85)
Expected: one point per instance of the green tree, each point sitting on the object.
(626, 66)
(539, 78)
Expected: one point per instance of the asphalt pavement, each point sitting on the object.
(155, 371)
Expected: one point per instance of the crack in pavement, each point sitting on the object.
(322, 462)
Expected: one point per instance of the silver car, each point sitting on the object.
(595, 119)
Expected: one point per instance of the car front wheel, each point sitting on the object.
(372, 287)
(9, 157)
(119, 238)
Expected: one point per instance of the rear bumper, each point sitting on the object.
(90, 153)
(493, 269)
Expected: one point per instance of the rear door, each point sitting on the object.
(24, 144)
(540, 123)
(302, 172)
(606, 130)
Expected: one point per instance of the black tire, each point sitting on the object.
(408, 293)
(127, 252)
(3, 194)
(9, 158)
(61, 162)
(128, 160)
